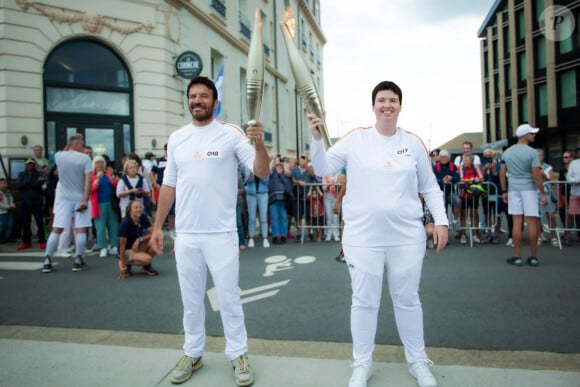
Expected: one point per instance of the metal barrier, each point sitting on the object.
(558, 193)
(485, 193)
(303, 203)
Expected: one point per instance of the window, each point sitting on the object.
(542, 100)
(86, 63)
(540, 53)
(568, 93)
(520, 25)
(523, 99)
(523, 67)
(539, 8)
(508, 78)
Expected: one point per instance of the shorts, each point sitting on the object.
(523, 203)
(64, 212)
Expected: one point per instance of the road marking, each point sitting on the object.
(281, 262)
(214, 302)
(25, 254)
(11, 265)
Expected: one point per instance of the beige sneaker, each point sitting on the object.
(243, 373)
(185, 367)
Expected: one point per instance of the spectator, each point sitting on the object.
(240, 209)
(547, 211)
(315, 197)
(134, 235)
(131, 186)
(331, 187)
(7, 207)
(573, 176)
(257, 199)
(467, 147)
(279, 187)
(72, 197)
(89, 151)
(291, 205)
(104, 215)
(435, 154)
(41, 161)
(525, 178)
(447, 175)
(29, 183)
(149, 161)
(302, 175)
(490, 169)
(469, 174)
(564, 195)
(156, 176)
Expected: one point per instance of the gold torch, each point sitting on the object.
(304, 83)
(255, 71)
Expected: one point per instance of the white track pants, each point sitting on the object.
(194, 254)
(366, 267)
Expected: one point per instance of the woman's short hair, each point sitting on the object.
(128, 163)
(97, 159)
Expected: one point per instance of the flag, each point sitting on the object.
(219, 83)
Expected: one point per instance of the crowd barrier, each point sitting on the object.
(304, 205)
(556, 217)
(486, 198)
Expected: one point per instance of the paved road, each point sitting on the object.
(472, 299)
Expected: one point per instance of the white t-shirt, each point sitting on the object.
(384, 176)
(202, 165)
(72, 168)
(121, 186)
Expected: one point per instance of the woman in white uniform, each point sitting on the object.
(387, 169)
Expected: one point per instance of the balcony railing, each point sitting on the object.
(219, 7)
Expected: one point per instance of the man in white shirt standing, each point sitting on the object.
(71, 201)
(201, 178)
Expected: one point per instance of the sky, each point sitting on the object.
(429, 48)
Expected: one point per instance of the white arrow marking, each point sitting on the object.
(214, 302)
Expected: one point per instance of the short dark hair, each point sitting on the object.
(203, 81)
(387, 85)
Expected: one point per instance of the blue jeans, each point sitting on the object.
(6, 225)
(240, 225)
(107, 220)
(279, 218)
(260, 202)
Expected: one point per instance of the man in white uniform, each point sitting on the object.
(387, 169)
(71, 201)
(201, 178)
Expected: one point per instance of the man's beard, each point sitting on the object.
(205, 115)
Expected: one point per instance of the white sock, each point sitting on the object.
(81, 242)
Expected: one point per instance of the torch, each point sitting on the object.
(255, 71)
(304, 83)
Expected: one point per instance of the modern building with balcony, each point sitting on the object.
(116, 71)
(530, 60)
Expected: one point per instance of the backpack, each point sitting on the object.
(438, 167)
(139, 186)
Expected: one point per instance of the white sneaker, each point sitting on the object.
(266, 244)
(328, 237)
(421, 371)
(71, 249)
(476, 239)
(62, 254)
(463, 240)
(113, 251)
(336, 237)
(456, 225)
(510, 242)
(172, 234)
(103, 253)
(251, 242)
(360, 375)
(539, 241)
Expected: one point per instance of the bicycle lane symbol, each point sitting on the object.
(274, 264)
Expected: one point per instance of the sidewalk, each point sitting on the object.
(34, 356)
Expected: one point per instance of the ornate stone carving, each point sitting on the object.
(92, 24)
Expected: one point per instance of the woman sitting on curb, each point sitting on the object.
(134, 235)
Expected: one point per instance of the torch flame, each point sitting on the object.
(289, 22)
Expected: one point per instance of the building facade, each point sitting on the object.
(116, 71)
(530, 61)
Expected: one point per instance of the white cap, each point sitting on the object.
(525, 129)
